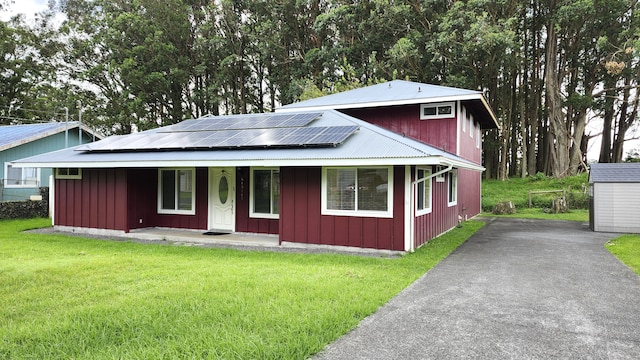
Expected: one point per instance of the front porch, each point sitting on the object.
(191, 237)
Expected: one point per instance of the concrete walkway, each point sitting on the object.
(518, 289)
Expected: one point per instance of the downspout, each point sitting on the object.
(412, 211)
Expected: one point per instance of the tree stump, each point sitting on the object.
(558, 206)
(504, 208)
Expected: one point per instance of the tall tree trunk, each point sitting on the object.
(559, 138)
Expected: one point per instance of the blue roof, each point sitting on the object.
(15, 135)
(398, 93)
(614, 173)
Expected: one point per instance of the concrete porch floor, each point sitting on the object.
(191, 237)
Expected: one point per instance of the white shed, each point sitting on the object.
(615, 197)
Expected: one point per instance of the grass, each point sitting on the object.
(627, 249)
(73, 297)
(517, 190)
(580, 215)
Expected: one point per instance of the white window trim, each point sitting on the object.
(252, 213)
(450, 174)
(438, 116)
(74, 177)
(193, 192)
(426, 210)
(358, 213)
(478, 137)
(19, 186)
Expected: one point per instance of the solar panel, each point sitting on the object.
(248, 121)
(228, 139)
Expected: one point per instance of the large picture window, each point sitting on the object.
(176, 193)
(423, 191)
(265, 193)
(17, 177)
(452, 182)
(363, 191)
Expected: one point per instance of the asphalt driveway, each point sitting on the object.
(517, 289)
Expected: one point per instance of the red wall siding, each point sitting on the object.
(468, 137)
(440, 133)
(301, 220)
(469, 195)
(98, 200)
(244, 223)
(442, 216)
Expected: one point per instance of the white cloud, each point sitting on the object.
(27, 7)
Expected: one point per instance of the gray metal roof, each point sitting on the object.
(399, 93)
(15, 135)
(370, 145)
(615, 173)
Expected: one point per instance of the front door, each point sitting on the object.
(222, 196)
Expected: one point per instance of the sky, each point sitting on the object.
(27, 7)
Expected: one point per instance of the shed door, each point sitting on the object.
(222, 199)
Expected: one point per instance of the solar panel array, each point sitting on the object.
(276, 137)
(250, 121)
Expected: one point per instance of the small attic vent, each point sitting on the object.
(437, 111)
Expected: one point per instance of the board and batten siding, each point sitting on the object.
(301, 220)
(616, 207)
(97, 201)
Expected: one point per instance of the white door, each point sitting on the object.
(222, 199)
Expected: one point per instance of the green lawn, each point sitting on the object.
(581, 215)
(627, 249)
(71, 297)
(517, 191)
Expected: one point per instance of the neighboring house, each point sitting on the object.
(18, 141)
(312, 176)
(615, 197)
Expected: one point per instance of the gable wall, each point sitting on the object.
(616, 207)
(301, 219)
(439, 133)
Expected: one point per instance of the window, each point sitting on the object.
(423, 191)
(357, 191)
(452, 180)
(265, 193)
(176, 193)
(437, 111)
(68, 173)
(15, 177)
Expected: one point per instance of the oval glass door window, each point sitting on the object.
(223, 190)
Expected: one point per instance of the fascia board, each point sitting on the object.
(385, 103)
(432, 160)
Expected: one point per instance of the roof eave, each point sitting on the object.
(427, 160)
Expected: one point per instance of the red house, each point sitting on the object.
(387, 167)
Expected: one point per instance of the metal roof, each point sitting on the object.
(398, 93)
(614, 173)
(16, 135)
(370, 145)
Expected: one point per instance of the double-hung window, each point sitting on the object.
(365, 191)
(265, 193)
(452, 182)
(176, 191)
(423, 191)
(21, 177)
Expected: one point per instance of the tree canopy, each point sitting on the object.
(549, 68)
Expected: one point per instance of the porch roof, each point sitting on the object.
(370, 145)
